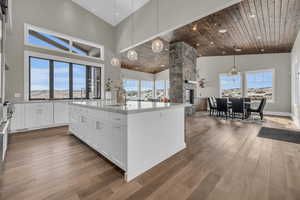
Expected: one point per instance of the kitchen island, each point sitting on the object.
(135, 137)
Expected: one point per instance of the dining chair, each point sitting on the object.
(247, 99)
(237, 108)
(222, 106)
(260, 108)
(212, 107)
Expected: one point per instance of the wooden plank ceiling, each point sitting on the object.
(251, 27)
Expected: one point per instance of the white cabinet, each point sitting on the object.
(35, 115)
(38, 115)
(103, 131)
(18, 119)
(61, 114)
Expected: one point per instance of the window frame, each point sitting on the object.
(71, 39)
(27, 72)
(273, 82)
(29, 80)
(241, 83)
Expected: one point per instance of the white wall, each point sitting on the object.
(172, 14)
(295, 82)
(164, 75)
(210, 68)
(62, 16)
(135, 75)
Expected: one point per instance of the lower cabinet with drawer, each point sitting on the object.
(103, 131)
(38, 115)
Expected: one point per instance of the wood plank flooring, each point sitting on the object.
(224, 160)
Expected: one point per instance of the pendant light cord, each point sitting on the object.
(132, 28)
(157, 18)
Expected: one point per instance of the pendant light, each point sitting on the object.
(132, 55)
(157, 45)
(234, 70)
(115, 61)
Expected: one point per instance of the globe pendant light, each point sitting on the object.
(132, 55)
(115, 61)
(157, 45)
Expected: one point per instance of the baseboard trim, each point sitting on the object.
(282, 114)
(38, 128)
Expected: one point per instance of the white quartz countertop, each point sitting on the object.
(131, 107)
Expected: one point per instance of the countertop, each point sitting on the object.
(131, 107)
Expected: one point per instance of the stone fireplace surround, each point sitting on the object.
(183, 61)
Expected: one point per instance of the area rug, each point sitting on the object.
(280, 134)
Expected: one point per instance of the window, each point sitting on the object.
(39, 79)
(79, 81)
(86, 50)
(160, 89)
(132, 89)
(146, 90)
(230, 86)
(37, 38)
(43, 38)
(259, 84)
(61, 80)
(51, 79)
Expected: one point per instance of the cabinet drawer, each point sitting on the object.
(116, 118)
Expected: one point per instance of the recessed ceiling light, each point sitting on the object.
(162, 65)
(238, 50)
(258, 37)
(262, 50)
(222, 30)
(194, 27)
(197, 44)
(252, 15)
(211, 42)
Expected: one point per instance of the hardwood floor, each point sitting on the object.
(224, 160)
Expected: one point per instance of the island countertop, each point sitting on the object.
(131, 107)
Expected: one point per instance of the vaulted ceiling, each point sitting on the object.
(249, 27)
(112, 11)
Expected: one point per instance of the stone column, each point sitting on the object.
(183, 61)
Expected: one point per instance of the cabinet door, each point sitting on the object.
(61, 115)
(118, 141)
(38, 115)
(17, 121)
(74, 120)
